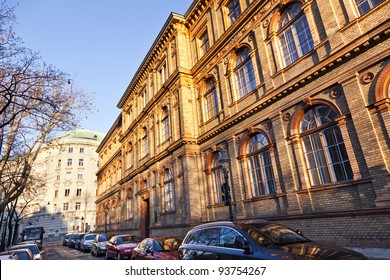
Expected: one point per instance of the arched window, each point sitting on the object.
(261, 173)
(169, 203)
(295, 37)
(145, 142)
(165, 124)
(326, 156)
(217, 178)
(365, 6)
(244, 73)
(211, 99)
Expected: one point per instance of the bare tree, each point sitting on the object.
(36, 101)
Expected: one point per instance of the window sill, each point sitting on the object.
(333, 186)
(218, 205)
(168, 213)
(265, 197)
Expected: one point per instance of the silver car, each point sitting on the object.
(86, 242)
(32, 247)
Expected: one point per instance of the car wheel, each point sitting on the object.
(118, 256)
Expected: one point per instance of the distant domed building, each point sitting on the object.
(66, 203)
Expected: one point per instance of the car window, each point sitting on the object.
(89, 237)
(167, 244)
(143, 244)
(102, 238)
(274, 233)
(149, 245)
(209, 237)
(22, 255)
(193, 237)
(228, 238)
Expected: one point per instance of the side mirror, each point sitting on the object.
(241, 243)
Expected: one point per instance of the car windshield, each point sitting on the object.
(102, 238)
(89, 237)
(167, 244)
(127, 239)
(273, 234)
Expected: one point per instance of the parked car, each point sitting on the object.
(158, 248)
(256, 239)
(17, 254)
(72, 240)
(66, 239)
(37, 254)
(121, 246)
(86, 242)
(98, 246)
(78, 240)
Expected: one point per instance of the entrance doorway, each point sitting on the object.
(145, 218)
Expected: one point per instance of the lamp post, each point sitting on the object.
(106, 209)
(224, 160)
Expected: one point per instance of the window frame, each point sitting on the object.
(216, 178)
(292, 37)
(210, 97)
(263, 168)
(325, 163)
(233, 11)
(165, 127)
(370, 4)
(168, 192)
(203, 43)
(243, 71)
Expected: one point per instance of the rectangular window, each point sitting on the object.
(81, 150)
(70, 150)
(58, 177)
(78, 205)
(80, 175)
(56, 193)
(365, 6)
(234, 10)
(68, 175)
(69, 162)
(59, 163)
(162, 75)
(66, 207)
(67, 192)
(204, 44)
(81, 162)
(144, 98)
(78, 192)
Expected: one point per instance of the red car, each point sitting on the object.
(121, 246)
(158, 248)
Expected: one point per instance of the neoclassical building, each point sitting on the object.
(295, 93)
(66, 203)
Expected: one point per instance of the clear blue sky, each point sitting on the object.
(99, 43)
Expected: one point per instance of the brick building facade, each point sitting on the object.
(295, 93)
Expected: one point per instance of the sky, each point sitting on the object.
(99, 43)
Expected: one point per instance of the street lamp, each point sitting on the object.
(106, 209)
(224, 160)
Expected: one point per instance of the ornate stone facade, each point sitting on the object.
(295, 93)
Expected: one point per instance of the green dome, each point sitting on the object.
(84, 134)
